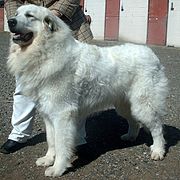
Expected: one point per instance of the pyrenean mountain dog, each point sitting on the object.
(70, 80)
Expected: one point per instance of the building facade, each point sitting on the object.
(141, 21)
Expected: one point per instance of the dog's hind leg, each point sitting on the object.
(48, 159)
(146, 109)
(123, 109)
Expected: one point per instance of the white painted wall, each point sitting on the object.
(96, 9)
(173, 30)
(133, 20)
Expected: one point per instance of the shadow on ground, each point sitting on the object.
(103, 135)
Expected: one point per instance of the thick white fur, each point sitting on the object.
(70, 80)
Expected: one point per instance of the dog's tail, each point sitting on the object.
(160, 90)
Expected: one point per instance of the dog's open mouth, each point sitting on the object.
(21, 38)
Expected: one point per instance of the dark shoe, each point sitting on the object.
(10, 146)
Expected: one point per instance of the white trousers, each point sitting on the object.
(23, 115)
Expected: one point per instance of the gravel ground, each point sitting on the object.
(107, 156)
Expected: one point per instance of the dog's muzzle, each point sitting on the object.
(12, 23)
(20, 36)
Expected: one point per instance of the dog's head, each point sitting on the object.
(31, 21)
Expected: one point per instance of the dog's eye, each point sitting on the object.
(29, 15)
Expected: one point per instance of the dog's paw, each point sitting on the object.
(127, 137)
(45, 161)
(157, 154)
(57, 170)
(51, 172)
(54, 172)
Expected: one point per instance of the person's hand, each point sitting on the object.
(88, 19)
(56, 13)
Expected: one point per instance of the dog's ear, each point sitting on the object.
(50, 23)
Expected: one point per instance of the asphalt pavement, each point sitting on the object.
(106, 157)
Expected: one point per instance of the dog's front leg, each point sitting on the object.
(65, 131)
(48, 159)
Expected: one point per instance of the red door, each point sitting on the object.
(1, 19)
(157, 22)
(112, 20)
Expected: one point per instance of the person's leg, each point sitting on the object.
(22, 121)
(22, 118)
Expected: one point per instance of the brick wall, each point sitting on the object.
(1, 19)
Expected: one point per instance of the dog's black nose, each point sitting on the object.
(12, 22)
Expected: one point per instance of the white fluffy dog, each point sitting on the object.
(70, 80)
